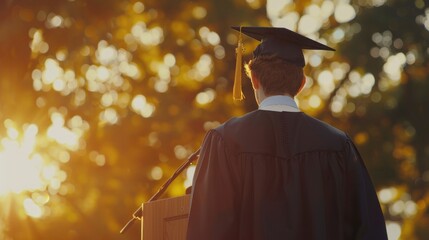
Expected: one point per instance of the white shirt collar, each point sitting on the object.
(279, 103)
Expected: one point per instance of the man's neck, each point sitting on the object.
(261, 96)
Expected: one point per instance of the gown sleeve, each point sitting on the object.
(363, 216)
(215, 193)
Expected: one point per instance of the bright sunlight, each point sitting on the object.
(25, 168)
(20, 167)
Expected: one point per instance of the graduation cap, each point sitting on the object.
(281, 42)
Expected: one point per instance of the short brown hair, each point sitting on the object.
(276, 75)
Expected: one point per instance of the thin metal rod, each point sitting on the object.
(137, 215)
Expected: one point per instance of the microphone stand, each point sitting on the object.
(139, 211)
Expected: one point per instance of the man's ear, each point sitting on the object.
(304, 79)
(255, 82)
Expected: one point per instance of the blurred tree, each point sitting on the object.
(388, 123)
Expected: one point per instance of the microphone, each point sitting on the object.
(139, 211)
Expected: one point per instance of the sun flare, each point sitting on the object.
(20, 167)
(25, 167)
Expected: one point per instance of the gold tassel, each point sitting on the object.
(237, 93)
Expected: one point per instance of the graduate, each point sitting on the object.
(277, 173)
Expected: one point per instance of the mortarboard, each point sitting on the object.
(281, 42)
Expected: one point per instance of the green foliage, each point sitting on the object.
(396, 146)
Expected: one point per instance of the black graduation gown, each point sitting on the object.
(282, 175)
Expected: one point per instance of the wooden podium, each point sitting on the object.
(165, 219)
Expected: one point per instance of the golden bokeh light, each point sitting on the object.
(54, 21)
(189, 176)
(315, 60)
(62, 134)
(32, 209)
(344, 12)
(98, 158)
(169, 60)
(208, 36)
(393, 67)
(309, 24)
(19, 165)
(206, 97)
(109, 116)
(314, 101)
(393, 230)
(180, 152)
(38, 45)
(199, 12)
(156, 173)
(202, 68)
(325, 79)
(52, 71)
(145, 36)
(24, 169)
(138, 7)
(161, 84)
(141, 106)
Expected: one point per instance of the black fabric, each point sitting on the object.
(282, 175)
